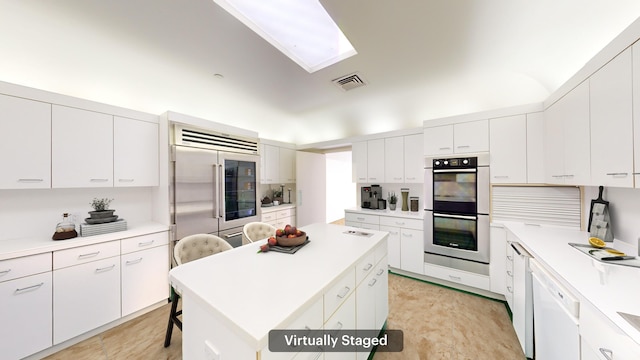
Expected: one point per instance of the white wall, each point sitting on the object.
(341, 190)
(35, 213)
(624, 210)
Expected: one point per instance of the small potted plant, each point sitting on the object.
(392, 199)
(101, 208)
(277, 196)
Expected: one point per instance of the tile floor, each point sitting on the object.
(438, 323)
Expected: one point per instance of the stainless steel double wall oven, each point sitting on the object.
(457, 208)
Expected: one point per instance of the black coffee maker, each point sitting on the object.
(369, 196)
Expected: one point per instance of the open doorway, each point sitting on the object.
(341, 190)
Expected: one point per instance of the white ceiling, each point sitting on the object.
(423, 59)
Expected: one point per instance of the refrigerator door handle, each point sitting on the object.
(220, 185)
(216, 190)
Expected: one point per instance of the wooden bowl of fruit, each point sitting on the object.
(290, 236)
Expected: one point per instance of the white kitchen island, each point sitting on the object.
(233, 299)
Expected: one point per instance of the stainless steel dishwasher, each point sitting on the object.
(555, 314)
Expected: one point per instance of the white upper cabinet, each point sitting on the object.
(413, 159)
(612, 123)
(287, 165)
(461, 138)
(438, 140)
(271, 169)
(471, 137)
(135, 153)
(81, 149)
(636, 113)
(567, 133)
(509, 149)
(359, 161)
(375, 161)
(394, 159)
(25, 150)
(535, 148)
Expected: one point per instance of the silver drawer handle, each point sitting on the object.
(105, 268)
(344, 292)
(510, 258)
(411, 178)
(608, 354)
(125, 180)
(371, 178)
(339, 326)
(509, 273)
(141, 244)
(380, 272)
(455, 278)
(84, 256)
(407, 235)
(28, 288)
(463, 146)
(568, 175)
(445, 148)
(557, 176)
(228, 236)
(620, 174)
(5, 272)
(400, 223)
(501, 177)
(397, 178)
(360, 218)
(373, 282)
(367, 267)
(131, 262)
(98, 180)
(30, 180)
(510, 289)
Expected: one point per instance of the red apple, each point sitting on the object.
(264, 248)
(279, 232)
(293, 230)
(287, 229)
(298, 233)
(272, 241)
(291, 235)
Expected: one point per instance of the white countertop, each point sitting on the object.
(257, 292)
(277, 207)
(12, 248)
(610, 288)
(395, 213)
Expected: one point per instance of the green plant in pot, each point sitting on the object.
(277, 195)
(101, 208)
(393, 200)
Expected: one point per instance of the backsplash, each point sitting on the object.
(624, 209)
(267, 190)
(415, 190)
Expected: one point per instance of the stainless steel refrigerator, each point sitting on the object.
(213, 190)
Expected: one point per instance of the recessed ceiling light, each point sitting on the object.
(301, 29)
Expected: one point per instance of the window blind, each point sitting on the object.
(544, 205)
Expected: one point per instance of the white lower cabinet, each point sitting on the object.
(406, 243)
(363, 221)
(372, 301)
(343, 318)
(26, 315)
(497, 267)
(141, 285)
(601, 339)
(279, 218)
(85, 297)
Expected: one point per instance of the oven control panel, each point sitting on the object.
(455, 163)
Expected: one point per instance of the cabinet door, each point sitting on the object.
(636, 113)
(85, 297)
(343, 319)
(144, 278)
(381, 293)
(359, 161)
(394, 246)
(412, 250)
(26, 316)
(554, 143)
(577, 146)
(263, 163)
(287, 165)
(438, 140)
(25, 149)
(612, 123)
(271, 168)
(509, 149)
(535, 148)
(471, 137)
(375, 161)
(394, 160)
(135, 153)
(497, 265)
(81, 148)
(413, 159)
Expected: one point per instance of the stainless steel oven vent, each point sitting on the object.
(207, 139)
(349, 82)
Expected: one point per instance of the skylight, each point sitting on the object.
(300, 29)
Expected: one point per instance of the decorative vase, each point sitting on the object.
(101, 214)
(405, 199)
(392, 206)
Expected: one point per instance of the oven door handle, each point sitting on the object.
(464, 217)
(473, 170)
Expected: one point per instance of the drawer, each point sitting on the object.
(369, 226)
(456, 276)
(364, 266)
(267, 217)
(335, 294)
(283, 213)
(85, 254)
(415, 224)
(363, 218)
(143, 242)
(24, 266)
(603, 336)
